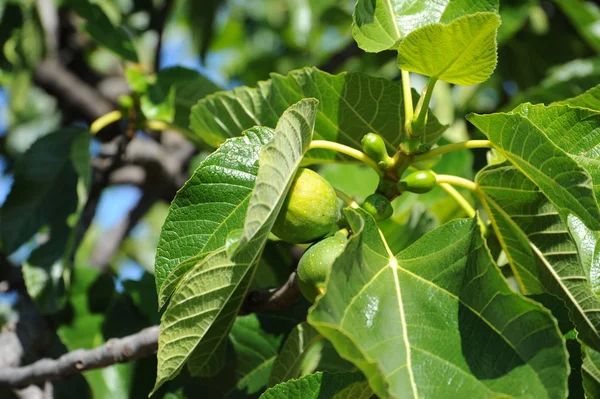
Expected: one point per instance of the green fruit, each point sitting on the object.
(309, 211)
(420, 182)
(315, 264)
(378, 206)
(374, 146)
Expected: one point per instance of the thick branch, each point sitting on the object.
(71, 91)
(141, 344)
(114, 351)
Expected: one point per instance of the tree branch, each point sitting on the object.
(141, 344)
(118, 350)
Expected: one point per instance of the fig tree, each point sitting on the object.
(309, 211)
(378, 206)
(315, 264)
(420, 182)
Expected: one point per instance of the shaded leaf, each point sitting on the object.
(102, 30)
(591, 373)
(438, 320)
(379, 25)
(321, 385)
(585, 15)
(350, 105)
(539, 247)
(171, 97)
(463, 52)
(289, 362)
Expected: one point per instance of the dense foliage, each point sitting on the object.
(349, 199)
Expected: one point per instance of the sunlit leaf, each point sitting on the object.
(462, 52)
(545, 144)
(437, 320)
(200, 219)
(382, 24)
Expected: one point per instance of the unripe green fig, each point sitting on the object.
(374, 146)
(315, 264)
(378, 206)
(420, 182)
(309, 211)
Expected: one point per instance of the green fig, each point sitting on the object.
(420, 182)
(378, 206)
(310, 210)
(315, 264)
(374, 146)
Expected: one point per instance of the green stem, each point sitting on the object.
(452, 147)
(408, 102)
(457, 181)
(423, 106)
(348, 200)
(458, 197)
(344, 149)
(105, 120)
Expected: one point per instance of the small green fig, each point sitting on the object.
(315, 264)
(378, 206)
(420, 182)
(374, 146)
(309, 211)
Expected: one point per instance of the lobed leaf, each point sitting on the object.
(350, 106)
(437, 320)
(379, 25)
(462, 52)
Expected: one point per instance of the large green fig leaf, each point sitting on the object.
(438, 320)
(322, 385)
(462, 52)
(545, 144)
(539, 246)
(278, 162)
(212, 203)
(382, 24)
(350, 106)
(207, 299)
